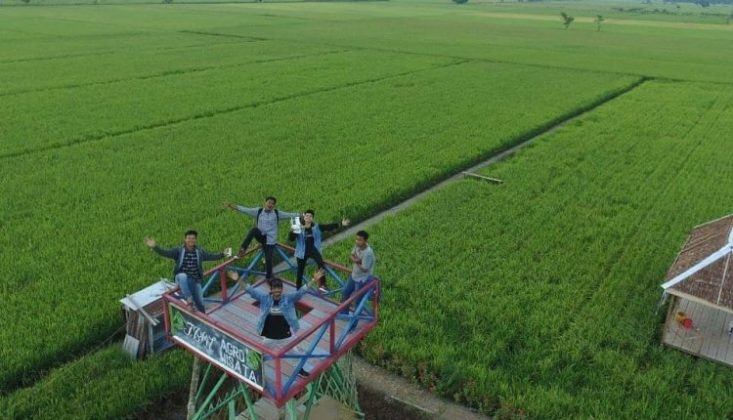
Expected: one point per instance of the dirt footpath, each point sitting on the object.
(383, 395)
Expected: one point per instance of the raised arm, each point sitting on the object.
(257, 294)
(331, 226)
(248, 288)
(249, 211)
(208, 256)
(285, 215)
(169, 253)
(298, 294)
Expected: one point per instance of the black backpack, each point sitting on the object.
(259, 212)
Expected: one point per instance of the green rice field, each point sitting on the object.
(532, 298)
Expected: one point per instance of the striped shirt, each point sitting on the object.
(191, 265)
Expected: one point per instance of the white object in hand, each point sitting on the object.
(295, 225)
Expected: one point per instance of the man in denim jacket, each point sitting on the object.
(308, 245)
(277, 319)
(187, 270)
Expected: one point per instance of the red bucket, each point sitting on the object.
(687, 323)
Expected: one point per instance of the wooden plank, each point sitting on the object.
(674, 337)
(244, 310)
(721, 338)
(696, 340)
(669, 335)
(712, 332)
(729, 347)
(319, 305)
(287, 366)
(235, 324)
(243, 301)
(248, 318)
(686, 339)
(131, 345)
(485, 178)
(322, 345)
(320, 300)
(707, 325)
(680, 332)
(708, 338)
(702, 356)
(264, 410)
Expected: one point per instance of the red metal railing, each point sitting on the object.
(278, 394)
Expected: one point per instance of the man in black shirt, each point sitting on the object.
(278, 319)
(276, 326)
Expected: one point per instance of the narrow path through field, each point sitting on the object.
(393, 388)
(521, 143)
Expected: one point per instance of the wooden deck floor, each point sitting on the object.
(707, 338)
(241, 314)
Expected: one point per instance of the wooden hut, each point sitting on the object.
(144, 319)
(700, 284)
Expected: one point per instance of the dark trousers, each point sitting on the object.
(256, 233)
(349, 288)
(301, 265)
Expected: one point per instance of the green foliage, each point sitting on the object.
(541, 292)
(177, 322)
(105, 384)
(598, 20)
(460, 1)
(138, 190)
(566, 19)
(130, 121)
(254, 360)
(190, 94)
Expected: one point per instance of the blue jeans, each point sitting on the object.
(191, 287)
(350, 287)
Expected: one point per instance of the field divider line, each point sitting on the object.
(494, 61)
(494, 156)
(479, 59)
(115, 52)
(229, 110)
(252, 38)
(56, 57)
(167, 73)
